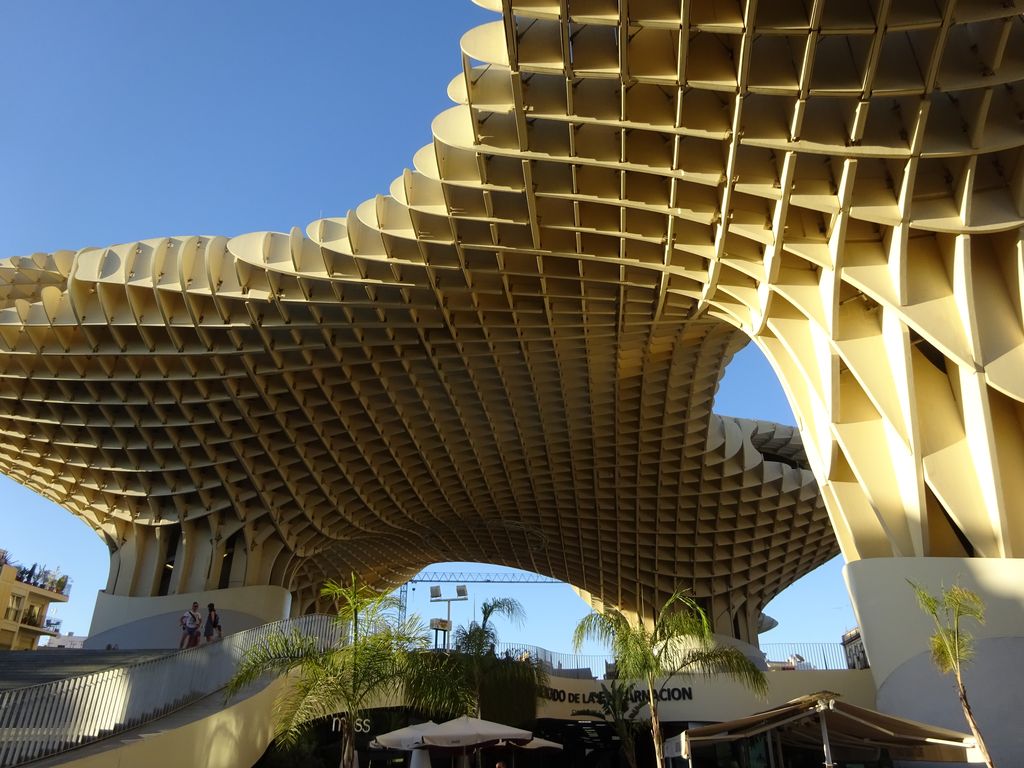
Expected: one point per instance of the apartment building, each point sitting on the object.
(25, 597)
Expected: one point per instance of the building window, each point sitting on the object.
(14, 606)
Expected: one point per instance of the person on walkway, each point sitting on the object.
(191, 620)
(212, 623)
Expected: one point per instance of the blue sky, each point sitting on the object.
(131, 120)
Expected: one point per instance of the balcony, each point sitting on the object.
(32, 620)
(45, 580)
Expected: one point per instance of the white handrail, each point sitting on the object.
(816, 656)
(42, 720)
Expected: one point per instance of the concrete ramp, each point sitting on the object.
(20, 669)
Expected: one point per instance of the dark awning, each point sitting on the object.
(799, 722)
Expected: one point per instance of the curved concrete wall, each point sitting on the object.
(233, 737)
(896, 633)
(993, 680)
(153, 622)
(752, 652)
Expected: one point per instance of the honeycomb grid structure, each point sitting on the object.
(512, 357)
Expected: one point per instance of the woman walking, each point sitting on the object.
(212, 623)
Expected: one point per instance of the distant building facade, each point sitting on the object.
(68, 641)
(856, 653)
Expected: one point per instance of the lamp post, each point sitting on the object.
(461, 593)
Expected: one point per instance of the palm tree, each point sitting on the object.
(370, 661)
(620, 708)
(953, 647)
(473, 679)
(476, 643)
(680, 641)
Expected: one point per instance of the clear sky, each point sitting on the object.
(123, 121)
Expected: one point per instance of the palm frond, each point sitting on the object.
(435, 684)
(681, 616)
(681, 602)
(951, 646)
(618, 705)
(601, 627)
(636, 655)
(475, 639)
(376, 666)
(317, 693)
(509, 688)
(629, 641)
(361, 607)
(633, 715)
(276, 655)
(508, 607)
(950, 649)
(965, 603)
(510, 670)
(929, 604)
(620, 710)
(724, 660)
(414, 631)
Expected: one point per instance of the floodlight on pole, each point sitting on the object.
(461, 593)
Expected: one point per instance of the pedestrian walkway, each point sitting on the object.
(19, 669)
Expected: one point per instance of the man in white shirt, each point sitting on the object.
(190, 622)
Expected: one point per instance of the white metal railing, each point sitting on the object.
(799, 656)
(806, 656)
(562, 664)
(45, 719)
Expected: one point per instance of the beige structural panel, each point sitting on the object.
(512, 357)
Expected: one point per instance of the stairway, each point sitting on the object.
(19, 669)
(53, 702)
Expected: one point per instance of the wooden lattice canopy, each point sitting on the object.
(512, 357)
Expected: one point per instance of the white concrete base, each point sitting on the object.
(896, 633)
(153, 622)
(752, 652)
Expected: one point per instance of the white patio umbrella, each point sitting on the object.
(470, 732)
(406, 738)
(539, 743)
(533, 744)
